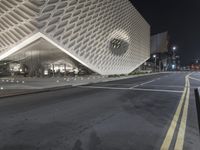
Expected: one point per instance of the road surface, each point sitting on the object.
(142, 113)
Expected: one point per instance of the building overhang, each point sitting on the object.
(36, 37)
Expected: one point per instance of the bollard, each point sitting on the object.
(197, 99)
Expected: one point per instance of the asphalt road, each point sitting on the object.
(133, 114)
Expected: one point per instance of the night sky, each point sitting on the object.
(181, 18)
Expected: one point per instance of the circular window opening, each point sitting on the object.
(118, 46)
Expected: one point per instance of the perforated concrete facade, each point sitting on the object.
(107, 36)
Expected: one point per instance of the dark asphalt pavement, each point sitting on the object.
(130, 114)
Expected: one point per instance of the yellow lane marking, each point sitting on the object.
(170, 132)
(182, 128)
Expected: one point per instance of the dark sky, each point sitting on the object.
(180, 17)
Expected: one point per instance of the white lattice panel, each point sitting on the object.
(83, 28)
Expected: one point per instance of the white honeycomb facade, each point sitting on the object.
(84, 29)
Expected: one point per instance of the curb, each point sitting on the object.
(37, 91)
(74, 85)
(117, 79)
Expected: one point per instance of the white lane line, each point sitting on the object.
(168, 86)
(194, 79)
(103, 87)
(133, 89)
(147, 82)
(157, 90)
(135, 85)
(142, 84)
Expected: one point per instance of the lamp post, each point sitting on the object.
(155, 57)
(174, 48)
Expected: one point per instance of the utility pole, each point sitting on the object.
(155, 57)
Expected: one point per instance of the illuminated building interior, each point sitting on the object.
(41, 58)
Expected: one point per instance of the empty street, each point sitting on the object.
(143, 113)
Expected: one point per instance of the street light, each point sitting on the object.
(173, 66)
(174, 48)
(155, 57)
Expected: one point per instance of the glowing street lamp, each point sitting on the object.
(173, 66)
(174, 48)
(155, 57)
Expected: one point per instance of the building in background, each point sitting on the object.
(160, 57)
(55, 36)
(159, 43)
(194, 65)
